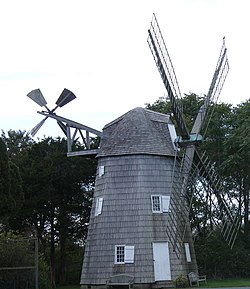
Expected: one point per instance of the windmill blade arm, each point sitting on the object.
(164, 64)
(214, 91)
(220, 74)
(37, 96)
(65, 97)
(35, 129)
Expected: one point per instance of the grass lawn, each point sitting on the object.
(210, 284)
(226, 283)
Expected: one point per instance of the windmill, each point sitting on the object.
(139, 230)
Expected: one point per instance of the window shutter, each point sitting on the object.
(98, 208)
(101, 171)
(173, 134)
(129, 254)
(165, 203)
(187, 251)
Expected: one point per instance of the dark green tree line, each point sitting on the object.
(11, 192)
(57, 196)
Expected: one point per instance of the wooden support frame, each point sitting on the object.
(72, 130)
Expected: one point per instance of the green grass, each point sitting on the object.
(226, 283)
(210, 284)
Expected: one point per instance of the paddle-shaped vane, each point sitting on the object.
(37, 96)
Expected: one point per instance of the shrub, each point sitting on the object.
(181, 281)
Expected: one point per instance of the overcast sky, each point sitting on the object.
(98, 49)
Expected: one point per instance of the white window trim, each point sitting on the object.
(152, 204)
(119, 262)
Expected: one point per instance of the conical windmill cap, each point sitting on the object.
(139, 131)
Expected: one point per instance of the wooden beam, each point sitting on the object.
(83, 153)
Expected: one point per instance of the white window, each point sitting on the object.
(120, 254)
(101, 171)
(98, 206)
(160, 204)
(156, 204)
(187, 251)
(124, 254)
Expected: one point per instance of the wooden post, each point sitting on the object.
(36, 264)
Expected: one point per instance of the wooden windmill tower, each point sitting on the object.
(139, 228)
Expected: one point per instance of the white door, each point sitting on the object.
(161, 261)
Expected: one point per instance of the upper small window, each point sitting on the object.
(101, 171)
(160, 204)
(156, 204)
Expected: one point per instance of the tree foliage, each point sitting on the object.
(57, 196)
(236, 164)
(11, 193)
(227, 142)
(16, 250)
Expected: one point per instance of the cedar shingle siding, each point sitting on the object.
(138, 158)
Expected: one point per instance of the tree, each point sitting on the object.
(11, 195)
(236, 166)
(17, 250)
(58, 192)
(4, 179)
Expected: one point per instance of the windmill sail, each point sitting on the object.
(190, 160)
(163, 62)
(214, 91)
(37, 96)
(224, 212)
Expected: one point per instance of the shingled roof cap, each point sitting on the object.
(139, 131)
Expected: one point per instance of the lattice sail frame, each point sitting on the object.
(164, 64)
(194, 169)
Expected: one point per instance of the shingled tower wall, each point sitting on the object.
(136, 162)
